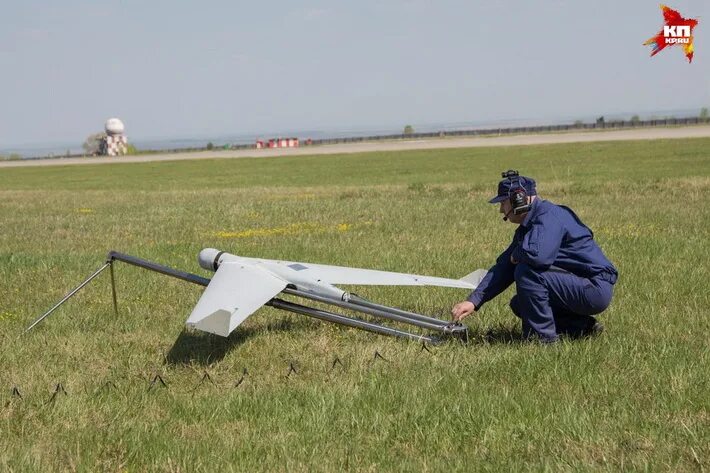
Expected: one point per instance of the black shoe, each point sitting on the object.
(596, 329)
(592, 330)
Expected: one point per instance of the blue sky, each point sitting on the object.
(190, 69)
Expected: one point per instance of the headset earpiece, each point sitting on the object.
(517, 195)
(518, 199)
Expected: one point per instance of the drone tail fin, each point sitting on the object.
(475, 277)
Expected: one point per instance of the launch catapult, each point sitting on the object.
(241, 285)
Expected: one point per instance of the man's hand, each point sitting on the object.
(512, 260)
(462, 310)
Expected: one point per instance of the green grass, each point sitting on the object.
(635, 398)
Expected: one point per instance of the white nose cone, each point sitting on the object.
(207, 258)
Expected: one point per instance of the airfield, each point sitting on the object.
(94, 391)
(397, 145)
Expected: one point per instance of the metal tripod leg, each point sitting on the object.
(113, 291)
(74, 291)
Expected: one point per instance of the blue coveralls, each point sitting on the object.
(562, 277)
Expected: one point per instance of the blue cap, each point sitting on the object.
(506, 185)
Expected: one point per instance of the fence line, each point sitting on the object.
(521, 130)
(601, 125)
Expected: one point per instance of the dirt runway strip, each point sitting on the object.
(699, 131)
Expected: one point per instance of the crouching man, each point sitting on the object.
(561, 276)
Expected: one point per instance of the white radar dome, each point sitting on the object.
(114, 126)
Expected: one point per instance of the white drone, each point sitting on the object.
(241, 285)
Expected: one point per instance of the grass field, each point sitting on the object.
(636, 398)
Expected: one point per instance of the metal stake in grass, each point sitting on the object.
(157, 378)
(241, 380)
(205, 377)
(107, 386)
(378, 355)
(59, 389)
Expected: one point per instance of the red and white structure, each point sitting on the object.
(115, 143)
(277, 143)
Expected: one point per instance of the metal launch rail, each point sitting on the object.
(355, 304)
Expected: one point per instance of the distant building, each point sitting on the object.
(115, 143)
(278, 143)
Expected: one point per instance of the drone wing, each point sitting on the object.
(371, 277)
(235, 292)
